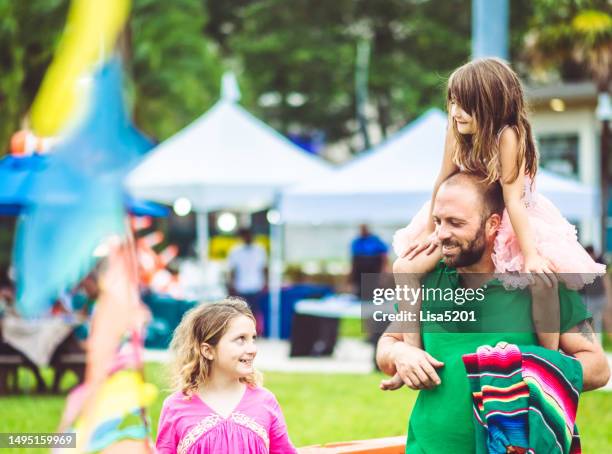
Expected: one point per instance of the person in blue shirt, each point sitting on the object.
(369, 255)
(368, 244)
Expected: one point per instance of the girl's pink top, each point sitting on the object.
(255, 426)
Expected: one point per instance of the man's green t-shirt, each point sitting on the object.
(441, 420)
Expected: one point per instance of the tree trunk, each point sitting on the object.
(383, 114)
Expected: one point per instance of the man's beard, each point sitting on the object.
(468, 255)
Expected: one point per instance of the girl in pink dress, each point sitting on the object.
(489, 134)
(219, 405)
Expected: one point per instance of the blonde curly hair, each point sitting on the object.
(206, 323)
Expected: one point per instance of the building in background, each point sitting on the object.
(568, 136)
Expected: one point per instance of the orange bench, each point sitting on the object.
(391, 445)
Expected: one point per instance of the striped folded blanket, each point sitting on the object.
(524, 399)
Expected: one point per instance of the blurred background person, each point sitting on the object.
(368, 255)
(248, 273)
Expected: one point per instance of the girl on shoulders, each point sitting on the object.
(489, 134)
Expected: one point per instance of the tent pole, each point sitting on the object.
(275, 276)
(202, 236)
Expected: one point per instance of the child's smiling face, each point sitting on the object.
(234, 354)
(464, 121)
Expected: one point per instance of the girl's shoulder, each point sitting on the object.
(178, 399)
(262, 394)
(507, 133)
(508, 144)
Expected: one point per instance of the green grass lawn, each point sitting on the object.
(350, 327)
(607, 342)
(318, 408)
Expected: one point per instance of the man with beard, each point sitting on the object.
(467, 214)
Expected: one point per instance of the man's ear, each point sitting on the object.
(207, 351)
(493, 223)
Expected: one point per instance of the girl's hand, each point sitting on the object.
(428, 244)
(542, 267)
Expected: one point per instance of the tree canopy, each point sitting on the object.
(295, 60)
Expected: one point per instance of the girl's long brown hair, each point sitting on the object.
(490, 91)
(205, 323)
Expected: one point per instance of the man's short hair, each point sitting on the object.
(491, 194)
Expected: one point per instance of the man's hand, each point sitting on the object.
(391, 384)
(415, 367)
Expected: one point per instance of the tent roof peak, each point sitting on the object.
(229, 87)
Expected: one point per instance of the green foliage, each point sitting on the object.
(416, 46)
(309, 48)
(176, 50)
(175, 69)
(29, 31)
(573, 37)
(174, 66)
(300, 48)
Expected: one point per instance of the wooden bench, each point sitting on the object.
(68, 356)
(9, 365)
(390, 445)
(11, 360)
(65, 362)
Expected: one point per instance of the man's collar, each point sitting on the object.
(455, 277)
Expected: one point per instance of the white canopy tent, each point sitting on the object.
(227, 159)
(390, 183)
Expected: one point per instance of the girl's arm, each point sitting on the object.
(446, 170)
(545, 307)
(166, 436)
(513, 193)
(280, 443)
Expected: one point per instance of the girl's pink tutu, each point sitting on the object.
(555, 239)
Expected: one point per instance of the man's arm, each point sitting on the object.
(415, 367)
(409, 274)
(581, 342)
(385, 352)
(407, 333)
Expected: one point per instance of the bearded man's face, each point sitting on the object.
(460, 226)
